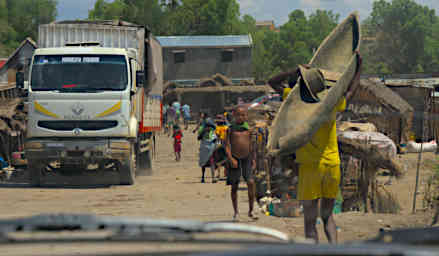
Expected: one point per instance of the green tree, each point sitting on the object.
(220, 17)
(20, 19)
(108, 11)
(147, 13)
(201, 17)
(301, 36)
(263, 58)
(432, 49)
(321, 23)
(248, 25)
(402, 29)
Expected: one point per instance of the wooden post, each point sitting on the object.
(417, 177)
(419, 156)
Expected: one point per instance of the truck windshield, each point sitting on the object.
(78, 73)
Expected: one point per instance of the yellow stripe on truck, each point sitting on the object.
(43, 110)
(110, 110)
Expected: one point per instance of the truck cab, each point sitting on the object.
(89, 105)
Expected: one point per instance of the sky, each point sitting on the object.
(276, 10)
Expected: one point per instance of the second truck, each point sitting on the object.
(95, 98)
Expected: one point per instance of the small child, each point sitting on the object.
(242, 159)
(177, 135)
(221, 130)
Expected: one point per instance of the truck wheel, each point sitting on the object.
(145, 164)
(34, 174)
(127, 172)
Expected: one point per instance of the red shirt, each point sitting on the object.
(177, 137)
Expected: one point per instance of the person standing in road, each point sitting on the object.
(201, 122)
(242, 159)
(165, 118)
(186, 110)
(177, 135)
(208, 140)
(177, 107)
(171, 119)
(319, 172)
(221, 131)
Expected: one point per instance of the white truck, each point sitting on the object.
(94, 98)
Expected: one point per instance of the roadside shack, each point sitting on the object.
(419, 93)
(374, 103)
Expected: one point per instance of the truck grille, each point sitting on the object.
(84, 125)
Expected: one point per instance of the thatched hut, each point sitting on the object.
(214, 99)
(374, 103)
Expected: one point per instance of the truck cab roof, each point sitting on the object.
(81, 50)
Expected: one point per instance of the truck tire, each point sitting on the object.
(144, 164)
(34, 174)
(127, 172)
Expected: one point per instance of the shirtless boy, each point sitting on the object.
(242, 159)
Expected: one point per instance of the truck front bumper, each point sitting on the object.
(78, 151)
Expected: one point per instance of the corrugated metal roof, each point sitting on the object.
(205, 41)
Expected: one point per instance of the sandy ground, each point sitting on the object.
(174, 191)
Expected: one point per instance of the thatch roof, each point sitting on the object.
(264, 88)
(385, 96)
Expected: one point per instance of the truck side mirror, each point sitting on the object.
(140, 78)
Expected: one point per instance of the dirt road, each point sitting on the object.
(174, 191)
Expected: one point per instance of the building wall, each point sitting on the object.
(205, 62)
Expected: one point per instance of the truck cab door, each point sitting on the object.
(136, 89)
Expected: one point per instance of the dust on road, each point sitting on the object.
(174, 191)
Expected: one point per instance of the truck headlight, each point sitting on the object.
(120, 145)
(33, 145)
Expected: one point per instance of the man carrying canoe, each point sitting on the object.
(319, 163)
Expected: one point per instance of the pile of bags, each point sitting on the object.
(413, 147)
(384, 143)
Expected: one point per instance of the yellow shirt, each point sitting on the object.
(323, 147)
(286, 92)
(221, 131)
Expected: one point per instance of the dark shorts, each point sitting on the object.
(244, 169)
